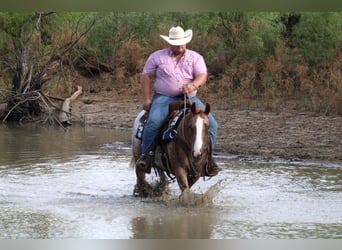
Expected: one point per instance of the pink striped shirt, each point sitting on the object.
(170, 75)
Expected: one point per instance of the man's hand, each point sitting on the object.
(188, 88)
(147, 105)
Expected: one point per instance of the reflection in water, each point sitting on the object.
(20, 145)
(77, 184)
(173, 226)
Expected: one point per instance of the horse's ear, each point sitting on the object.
(193, 108)
(207, 108)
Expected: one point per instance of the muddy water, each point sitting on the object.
(77, 184)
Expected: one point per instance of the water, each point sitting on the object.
(77, 184)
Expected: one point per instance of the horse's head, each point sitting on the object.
(199, 130)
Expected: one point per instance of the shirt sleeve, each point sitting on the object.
(199, 66)
(150, 66)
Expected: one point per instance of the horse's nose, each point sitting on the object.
(197, 153)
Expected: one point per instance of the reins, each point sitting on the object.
(185, 98)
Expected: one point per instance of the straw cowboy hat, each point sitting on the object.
(177, 36)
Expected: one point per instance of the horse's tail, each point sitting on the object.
(136, 143)
(132, 163)
(133, 158)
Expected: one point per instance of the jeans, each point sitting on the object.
(158, 113)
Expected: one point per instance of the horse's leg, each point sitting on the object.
(189, 198)
(182, 178)
(192, 180)
(142, 188)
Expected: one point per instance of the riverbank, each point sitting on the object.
(291, 135)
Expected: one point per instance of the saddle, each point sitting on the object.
(176, 111)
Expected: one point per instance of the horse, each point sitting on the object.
(183, 157)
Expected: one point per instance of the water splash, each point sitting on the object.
(190, 198)
(187, 198)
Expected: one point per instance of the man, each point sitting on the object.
(177, 71)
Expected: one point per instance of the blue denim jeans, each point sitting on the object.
(158, 113)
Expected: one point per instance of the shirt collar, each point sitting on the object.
(172, 55)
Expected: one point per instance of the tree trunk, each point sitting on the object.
(66, 107)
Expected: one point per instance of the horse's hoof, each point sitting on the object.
(189, 198)
(142, 191)
(138, 192)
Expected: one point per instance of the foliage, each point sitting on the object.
(253, 54)
(316, 36)
(264, 33)
(113, 29)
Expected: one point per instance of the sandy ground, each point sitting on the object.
(289, 135)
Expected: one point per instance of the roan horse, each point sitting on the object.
(184, 157)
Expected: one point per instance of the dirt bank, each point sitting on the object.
(290, 135)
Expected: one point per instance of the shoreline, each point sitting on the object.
(289, 135)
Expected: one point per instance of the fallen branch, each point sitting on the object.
(66, 109)
(23, 98)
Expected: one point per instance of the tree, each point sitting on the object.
(29, 52)
(316, 36)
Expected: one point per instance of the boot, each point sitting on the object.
(212, 169)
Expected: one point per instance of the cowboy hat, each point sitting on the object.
(177, 36)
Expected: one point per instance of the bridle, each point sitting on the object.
(187, 147)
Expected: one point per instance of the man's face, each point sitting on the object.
(179, 49)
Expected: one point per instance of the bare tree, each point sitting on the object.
(32, 66)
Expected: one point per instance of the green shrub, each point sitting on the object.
(317, 35)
